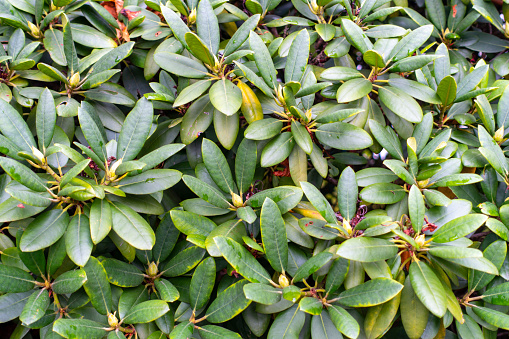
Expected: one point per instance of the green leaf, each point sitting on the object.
(471, 80)
(319, 202)
(79, 328)
(485, 113)
(340, 73)
(15, 280)
(180, 65)
(15, 128)
(459, 179)
(44, 230)
(371, 293)
(100, 220)
(302, 137)
(459, 227)
(262, 293)
(207, 26)
(217, 166)
(202, 283)
(428, 288)
(74, 172)
(263, 129)
(192, 92)
(382, 193)
(198, 48)
(131, 227)
(366, 249)
(414, 315)
(196, 120)
(121, 273)
(312, 265)
(69, 48)
(497, 295)
(35, 307)
(436, 14)
(323, 327)
(286, 197)
(146, 312)
(167, 291)
(176, 24)
(343, 321)
(53, 42)
(225, 96)
(149, 182)
(355, 36)
(496, 253)
(353, 90)
(416, 208)
(216, 332)
(245, 164)
(183, 330)
(93, 130)
(77, 240)
(388, 140)
(184, 261)
(347, 200)
(446, 90)
(492, 317)
(206, 192)
(277, 150)
(410, 43)
(97, 286)
(22, 174)
(52, 73)
(336, 275)
(135, 130)
(343, 136)
(110, 59)
(297, 58)
(311, 305)
(275, 242)
(241, 34)
(288, 324)
(401, 103)
(46, 118)
(412, 63)
(241, 260)
(228, 303)
(492, 152)
(263, 60)
(69, 282)
(416, 90)
(453, 252)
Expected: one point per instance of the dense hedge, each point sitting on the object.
(254, 169)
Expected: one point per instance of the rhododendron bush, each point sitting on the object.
(254, 169)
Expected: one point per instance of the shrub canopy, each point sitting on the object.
(254, 169)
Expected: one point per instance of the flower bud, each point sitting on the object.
(112, 320)
(75, 80)
(499, 135)
(191, 19)
(237, 200)
(423, 183)
(420, 240)
(38, 154)
(115, 166)
(152, 269)
(346, 226)
(34, 30)
(314, 7)
(283, 281)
